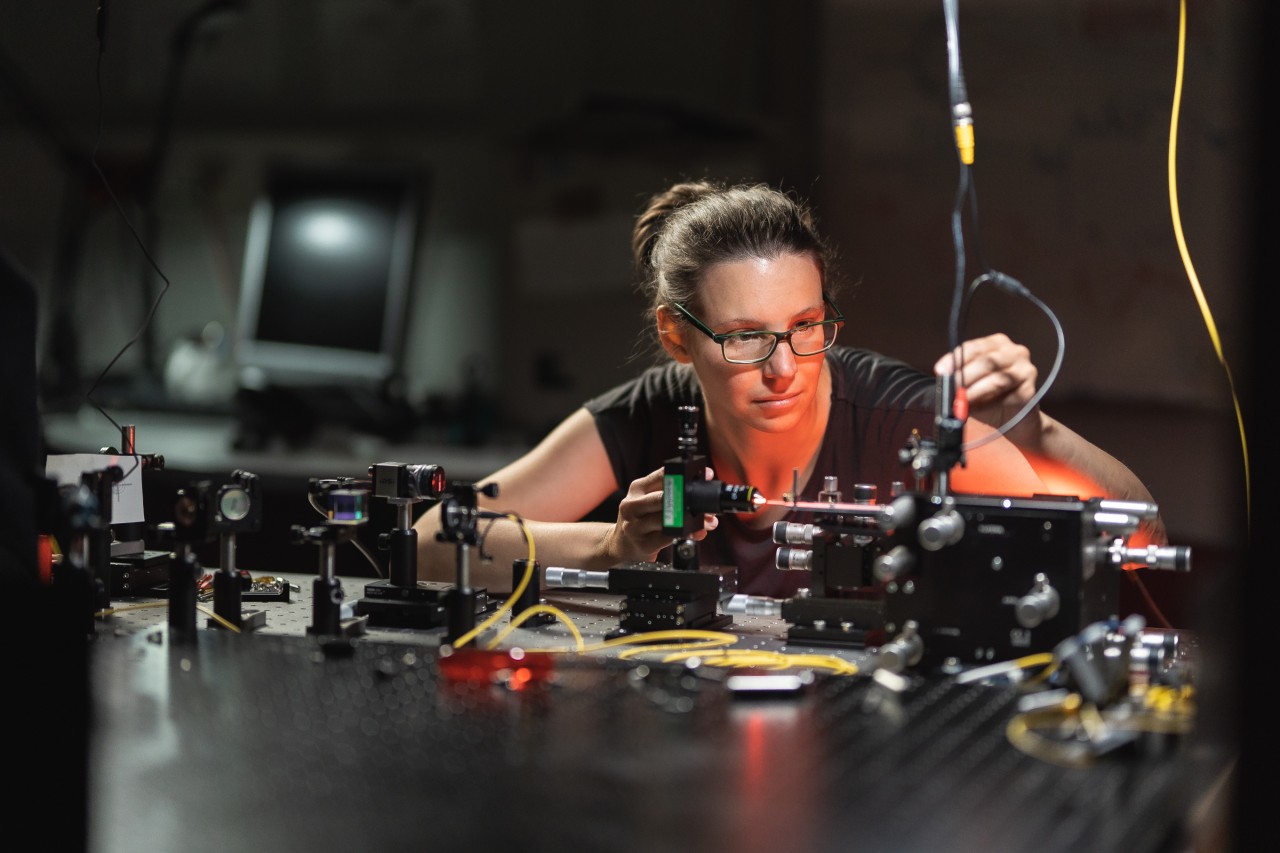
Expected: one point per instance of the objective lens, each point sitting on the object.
(426, 481)
(715, 496)
(734, 498)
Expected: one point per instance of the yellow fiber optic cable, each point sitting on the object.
(1186, 255)
(111, 611)
(225, 623)
(689, 636)
(763, 659)
(515, 594)
(517, 621)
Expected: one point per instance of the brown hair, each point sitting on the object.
(690, 227)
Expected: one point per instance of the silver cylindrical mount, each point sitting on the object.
(795, 533)
(576, 578)
(794, 559)
(753, 605)
(1175, 558)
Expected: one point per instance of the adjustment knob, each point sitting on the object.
(795, 533)
(903, 651)
(1037, 606)
(939, 531)
(865, 493)
(794, 559)
(895, 564)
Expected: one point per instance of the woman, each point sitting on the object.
(740, 301)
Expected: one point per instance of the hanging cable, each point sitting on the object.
(1012, 285)
(93, 159)
(1186, 255)
(967, 199)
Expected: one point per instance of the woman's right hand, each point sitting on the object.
(637, 535)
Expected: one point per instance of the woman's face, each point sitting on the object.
(775, 294)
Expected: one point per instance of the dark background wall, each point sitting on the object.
(541, 127)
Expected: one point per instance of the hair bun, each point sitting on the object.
(660, 207)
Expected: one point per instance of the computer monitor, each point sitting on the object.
(327, 272)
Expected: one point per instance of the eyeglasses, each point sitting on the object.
(756, 346)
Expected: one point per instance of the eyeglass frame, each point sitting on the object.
(836, 321)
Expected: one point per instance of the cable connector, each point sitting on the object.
(962, 120)
(1008, 284)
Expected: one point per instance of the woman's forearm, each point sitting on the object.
(1058, 443)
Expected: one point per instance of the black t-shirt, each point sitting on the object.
(876, 402)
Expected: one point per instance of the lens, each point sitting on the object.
(234, 503)
(812, 340)
(426, 481)
(747, 348)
